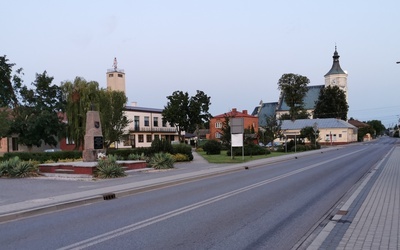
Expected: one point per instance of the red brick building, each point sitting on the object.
(216, 123)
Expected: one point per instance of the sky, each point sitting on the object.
(235, 51)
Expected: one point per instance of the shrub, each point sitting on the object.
(183, 148)
(23, 169)
(250, 149)
(162, 145)
(212, 147)
(161, 161)
(180, 157)
(16, 168)
(137, 157)
(108, 168)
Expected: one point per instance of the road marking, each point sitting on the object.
(130, 228)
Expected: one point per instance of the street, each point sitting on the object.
(266, 207)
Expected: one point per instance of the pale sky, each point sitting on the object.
(235, 51)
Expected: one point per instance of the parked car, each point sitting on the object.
(52, 150)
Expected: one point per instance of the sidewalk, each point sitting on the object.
(370, 217)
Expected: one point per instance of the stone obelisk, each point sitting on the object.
(93, 137)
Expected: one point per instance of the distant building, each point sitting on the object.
(335, 77)
(331, 130)
(146, 123)
(216, 123)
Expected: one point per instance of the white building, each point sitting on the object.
(146, 123)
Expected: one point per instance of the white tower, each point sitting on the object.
(116, 78)
(336, 76)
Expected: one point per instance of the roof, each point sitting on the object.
(235, 113)
(264, 111)
(321, 123)
(309, 100)
(358, 124)
(143, 109)
(336, 69)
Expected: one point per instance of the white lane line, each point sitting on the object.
(130, 228)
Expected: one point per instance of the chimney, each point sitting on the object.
(234, 110)
(245, 112)
(134, 104)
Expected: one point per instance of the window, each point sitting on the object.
(218, 124)
(156, 137)
(69, 141)
(120, 75)
(340, 135)
(136, 123)
(141, 138)
(146, 121)
(110, 75)
(148, 138)
(155, 121)
(164, 123)
(217, 135)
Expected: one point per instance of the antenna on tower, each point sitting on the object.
(115, 64)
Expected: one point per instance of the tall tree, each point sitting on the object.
(294, 89)
(10, 85)
(378, 126)
(81, 96)
(331, 103)
(272, 129)
(226, 132)
(112, 115)
(37, 119)
(185, 112)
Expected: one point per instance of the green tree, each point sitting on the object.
(331, 103)
(37, 119)
(185, 112)
(294, 89)
(10, 85)
(378, 127)
(5, 122)
(81, 96)
(272, 129)
(363, 131)
(226, 132)
(112, 115)
(310, 134)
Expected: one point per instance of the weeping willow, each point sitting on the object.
(81, 96)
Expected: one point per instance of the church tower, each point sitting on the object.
(116, 78)
(336, 76)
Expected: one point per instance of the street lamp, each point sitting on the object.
(397, 62)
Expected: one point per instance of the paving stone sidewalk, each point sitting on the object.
(373, 219)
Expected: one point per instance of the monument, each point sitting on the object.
(93, 137)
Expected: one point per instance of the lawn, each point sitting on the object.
(224, 158)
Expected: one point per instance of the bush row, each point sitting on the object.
(121, 154)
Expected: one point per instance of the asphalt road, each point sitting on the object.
(267, 207)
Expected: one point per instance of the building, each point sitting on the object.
(331, 130)
(146, 123)
(335, 77)
(216, 123)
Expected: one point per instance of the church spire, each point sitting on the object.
(336, 69)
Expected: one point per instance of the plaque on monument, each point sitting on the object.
(98, 142)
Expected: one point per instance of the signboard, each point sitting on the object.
(237, 125)
(98, 142)
(237, 140)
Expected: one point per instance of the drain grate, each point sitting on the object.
(109, 196)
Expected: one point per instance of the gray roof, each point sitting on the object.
(143, 109)
(267, 109)
(309, 100)
(321, 123)
(336, 69)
